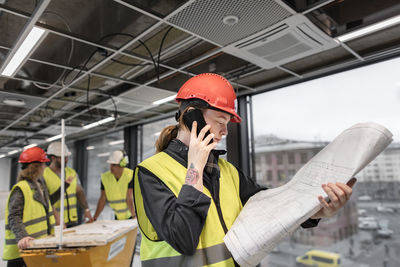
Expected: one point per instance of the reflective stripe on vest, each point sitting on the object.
(37, 223)
(30, 222)
(116, 191)
(53, 183)
(205, 256)
(211, 248)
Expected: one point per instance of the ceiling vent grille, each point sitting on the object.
(30, 101)
(205, 18)
(294, 38)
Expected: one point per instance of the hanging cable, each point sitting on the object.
(132, 37)
(80, 70)
(183, 51)
(130, 64)
(105, 53)
(71, 52)
(159, 52)
(115, 105)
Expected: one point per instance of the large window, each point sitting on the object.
(150, 133)
(292, 124)
(99, 149)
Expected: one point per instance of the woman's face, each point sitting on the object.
(218, 121)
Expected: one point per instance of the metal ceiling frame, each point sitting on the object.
(37, 13)
(106, 76)
(218, 45)
(70, 36)
(97, 65)
(120, 51)
(317, 6)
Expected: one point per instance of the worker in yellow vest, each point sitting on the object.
(186, 197)
(73, 190)
(29, 214)
(117, 188)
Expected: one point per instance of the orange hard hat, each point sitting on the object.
(33, 154)
(213, 89)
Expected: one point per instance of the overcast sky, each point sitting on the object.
(321, 109)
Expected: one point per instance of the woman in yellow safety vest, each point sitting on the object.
(29, 214)
(186, 197)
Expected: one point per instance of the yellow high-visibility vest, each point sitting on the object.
(116, 191)
(38, 223)
(211, 250)
(53, 183)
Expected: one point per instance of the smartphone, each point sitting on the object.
(195, 115)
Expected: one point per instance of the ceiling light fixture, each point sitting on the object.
(58, 136)
(90, 147)
(29, 146)
(100, 155)
(2, 156)
(97, 123)
(22, 53)
(16, 102)
(230, 20)
(12, 152)
(369, 29)
(117, 142)
(164, 100)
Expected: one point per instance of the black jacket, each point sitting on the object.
(179, 220)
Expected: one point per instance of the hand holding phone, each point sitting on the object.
(195, 115)
(200, 146)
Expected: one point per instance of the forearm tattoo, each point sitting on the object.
(192, 175)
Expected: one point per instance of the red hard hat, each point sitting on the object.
(212, 88)
(33, 154)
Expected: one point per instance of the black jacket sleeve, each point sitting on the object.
(177, 220)
(248, 187)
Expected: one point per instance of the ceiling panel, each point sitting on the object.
(194, 45)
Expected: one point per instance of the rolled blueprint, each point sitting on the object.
(271, 215)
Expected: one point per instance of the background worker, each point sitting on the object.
(117, 188)
(73, 188)
(29, 214)
(186, 197)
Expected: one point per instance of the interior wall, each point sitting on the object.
(5, 167)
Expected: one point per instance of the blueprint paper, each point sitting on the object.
(271, 215)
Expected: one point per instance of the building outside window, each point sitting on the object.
(314, 113)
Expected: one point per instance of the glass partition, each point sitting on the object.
(293, 124)
(150, 133)
(99, 149)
